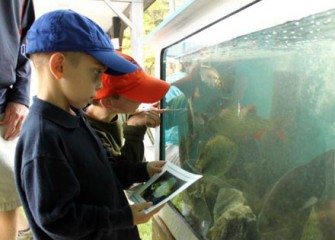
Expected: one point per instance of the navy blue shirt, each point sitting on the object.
(68, 187)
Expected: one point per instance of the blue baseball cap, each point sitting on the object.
(68, 31)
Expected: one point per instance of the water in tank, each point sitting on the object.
(255, 115)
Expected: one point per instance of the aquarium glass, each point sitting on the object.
(255, 115)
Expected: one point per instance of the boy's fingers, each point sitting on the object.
(159, 163)
(160, 110)
(157, 209)
(142, 206)
(153, 212)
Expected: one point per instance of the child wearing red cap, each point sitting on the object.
(123, 94)
(69, 187)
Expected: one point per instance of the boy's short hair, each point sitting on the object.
(68, 31)
(137, 86)
(40, 59)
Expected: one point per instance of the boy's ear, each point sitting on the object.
(56, 63)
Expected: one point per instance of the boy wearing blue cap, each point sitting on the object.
(68, 186)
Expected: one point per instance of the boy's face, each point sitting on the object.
(123, 105)
(81, 80)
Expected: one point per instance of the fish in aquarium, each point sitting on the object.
(211, 76)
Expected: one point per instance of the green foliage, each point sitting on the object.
(153, 16)
(217, 156)
(145, 230)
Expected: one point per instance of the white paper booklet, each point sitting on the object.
(163, 186)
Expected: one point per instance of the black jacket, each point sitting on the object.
(68, 187)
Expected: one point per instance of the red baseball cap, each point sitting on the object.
(137, 86)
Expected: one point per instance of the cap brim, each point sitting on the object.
(116, 65)
(148, 90)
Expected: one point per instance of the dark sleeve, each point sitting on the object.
(133, 148)
(28, 17)
(19, 93)
(55, 209)
(20, 90)
(129, 172)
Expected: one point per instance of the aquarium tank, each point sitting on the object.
(255, 115)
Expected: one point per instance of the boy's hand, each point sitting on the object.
(155, 167)
(148, 115)
(139, 216)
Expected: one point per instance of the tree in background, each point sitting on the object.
(153, 16)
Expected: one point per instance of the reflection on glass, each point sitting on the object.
(256, 116)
